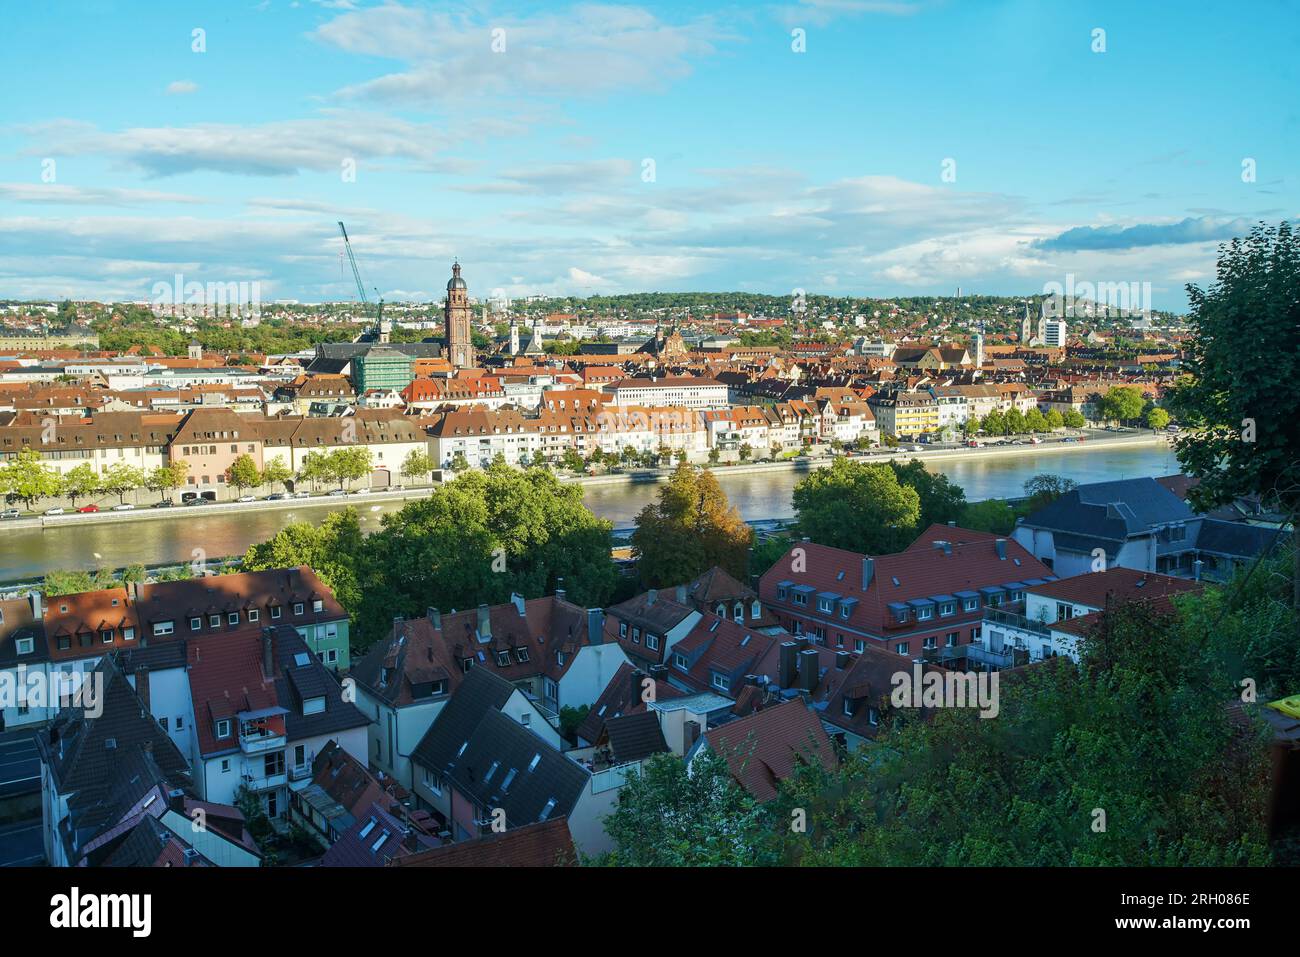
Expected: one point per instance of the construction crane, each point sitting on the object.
(361, 288)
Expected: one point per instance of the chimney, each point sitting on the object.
(868, 572)
(35, 597)
(809, 670)
(841, 660)
(559, 588)
(1001, 546)
(142, 685)
(1197, 566)
(435, 618)
(650, 596)
(595, 625)
(484, 623)
(681, 594)
(518, 602)
(634, 688)
(788, 664)
(692, 734)
(659, 672)
(268, 639)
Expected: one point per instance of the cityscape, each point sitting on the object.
(461, 454)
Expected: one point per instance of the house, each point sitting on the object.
(931, 594)
(715, 655)
(719, 592)
(377, 838)
(23, 653)
(219, 604)
(1058, 612)
(767, 747)
(545, 844)
(484, 772)
(647, 625)
(628, 692)
(1138, 524)
(262, 708)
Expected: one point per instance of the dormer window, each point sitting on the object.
(503, 659)
(318, 605)
(522, 655)
(297, 608)
(313, 705)
(223, 728)
(25, 646)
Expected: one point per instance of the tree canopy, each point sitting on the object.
(691, 528)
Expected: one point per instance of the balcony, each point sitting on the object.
(300, 772)
(1013, 620)
(257, 742)
(974, 657)
(267, 783)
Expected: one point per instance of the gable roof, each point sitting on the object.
(633, 737)
(621, 696)
(764, 748)
(481, 691)
(1096, 589)
(547, 844)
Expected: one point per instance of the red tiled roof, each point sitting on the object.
(761, 750)
(547, 844)
(1117, 583)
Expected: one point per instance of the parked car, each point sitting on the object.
(165, 503)
(57, 510)
(302, 494)
(198, 500)
(918, 448)
(359, 491)
(10, 513)
(88, 508)
(248, 498)
(276, 497)
(337, 491)
(124, 507)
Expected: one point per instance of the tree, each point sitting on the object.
(314, 468)
(332, 549)
(459, 463)
(1015, 420)
(1045, 488)
(1054, 419)
(28, 479)
(857, 506)
(418, 464)
(1074, 419)
(1122, 403)
(244, 473)
(993, 515)
(746, 450)
(166, 478)
(691, 528)
(1035, 421)
(277, 472)
(668, 816)
(119, 479)
(80, 482)
(1156, 418)
(714, 456)
(995, 423)
(572, 461)
(134, 574)
(1239, 405)
(348, 464)
(941, 500)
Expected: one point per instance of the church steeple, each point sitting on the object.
(460, 346)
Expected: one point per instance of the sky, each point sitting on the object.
(843, 147)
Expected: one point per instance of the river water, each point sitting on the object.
(26, 554)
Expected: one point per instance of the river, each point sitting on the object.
(26, 554)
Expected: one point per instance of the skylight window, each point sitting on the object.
(301, 659)
(546, 811)
(379, 843)
(462, 749)
(370, 826)
(532, 765)
(510, 777)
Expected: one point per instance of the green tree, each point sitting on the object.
(669, 817)
(941, 500)
(1045, 488)
(995, 423)
(332, 549)
(1074, 419)
(572, 461)
(277, 472)
(80, 482)
(244, 473)
(348, 464)
(1156, 418)
(459, 463)
(28, 479)
(1035, 421)
(1122, 403)
(691, 528)
(119, 479)
(1239, 403)
(746, 451)
(418, 464)
(315, 468)
(857, 506)
(135, 574)
(993, 515)
(1015, 420)
(1054, 419)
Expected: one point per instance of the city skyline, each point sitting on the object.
(599, 149)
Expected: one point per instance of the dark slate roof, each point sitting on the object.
(148, 844)
(1109, 512)
(17, 621)
(1236, 539)
(480, 692)
(76, 746)
(375, 840)
(634, 737)
(500, 745)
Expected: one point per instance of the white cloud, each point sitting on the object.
(181, 87)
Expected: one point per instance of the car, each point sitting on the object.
(1172, 428)
(302, 494)
(360, 491)
(248, 498)
(11, 513)
(1035, 441)
(918, 448)
(276, 497)
(396, 488)
(197, 500)
(57, 510)
(86, 509)
(124, 507)
(165, 503)
(337, 491)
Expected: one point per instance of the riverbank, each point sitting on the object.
(1093, 442)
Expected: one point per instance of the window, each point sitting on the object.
(300, 755)
(844, 611)
(546, 811)
(503, 659)
(253, 614)
(924, 614)
(297, 608)
(163, 722)
(622, 629)
(901, 647)
(214, 621)
(721, 682)
(25, 646)
(432, 782)
(975, 634)
(196, 624)
(313, 705)
(128, 633)
(930, 643)
(466, 664)
(948, 608)
(680, 661)
(223, 728)
(233, 618)
(225, 765)
(970, 604)
(331, 656)
(106, 635)
(950, 640)
(180, 722)
(780, 594)
(162, 628)
(318, 605)
(1064, 612)
(848, 707)
(755, 610)
(873, 716)
(859, 645)
(275, 611)
(800, 598)
(824, 604)
(522, 655)
(652, 641)
(273, 764)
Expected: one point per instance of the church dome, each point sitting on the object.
(455, 282)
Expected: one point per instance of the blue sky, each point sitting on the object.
(127, 156)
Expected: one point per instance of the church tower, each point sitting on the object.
(460, 347)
